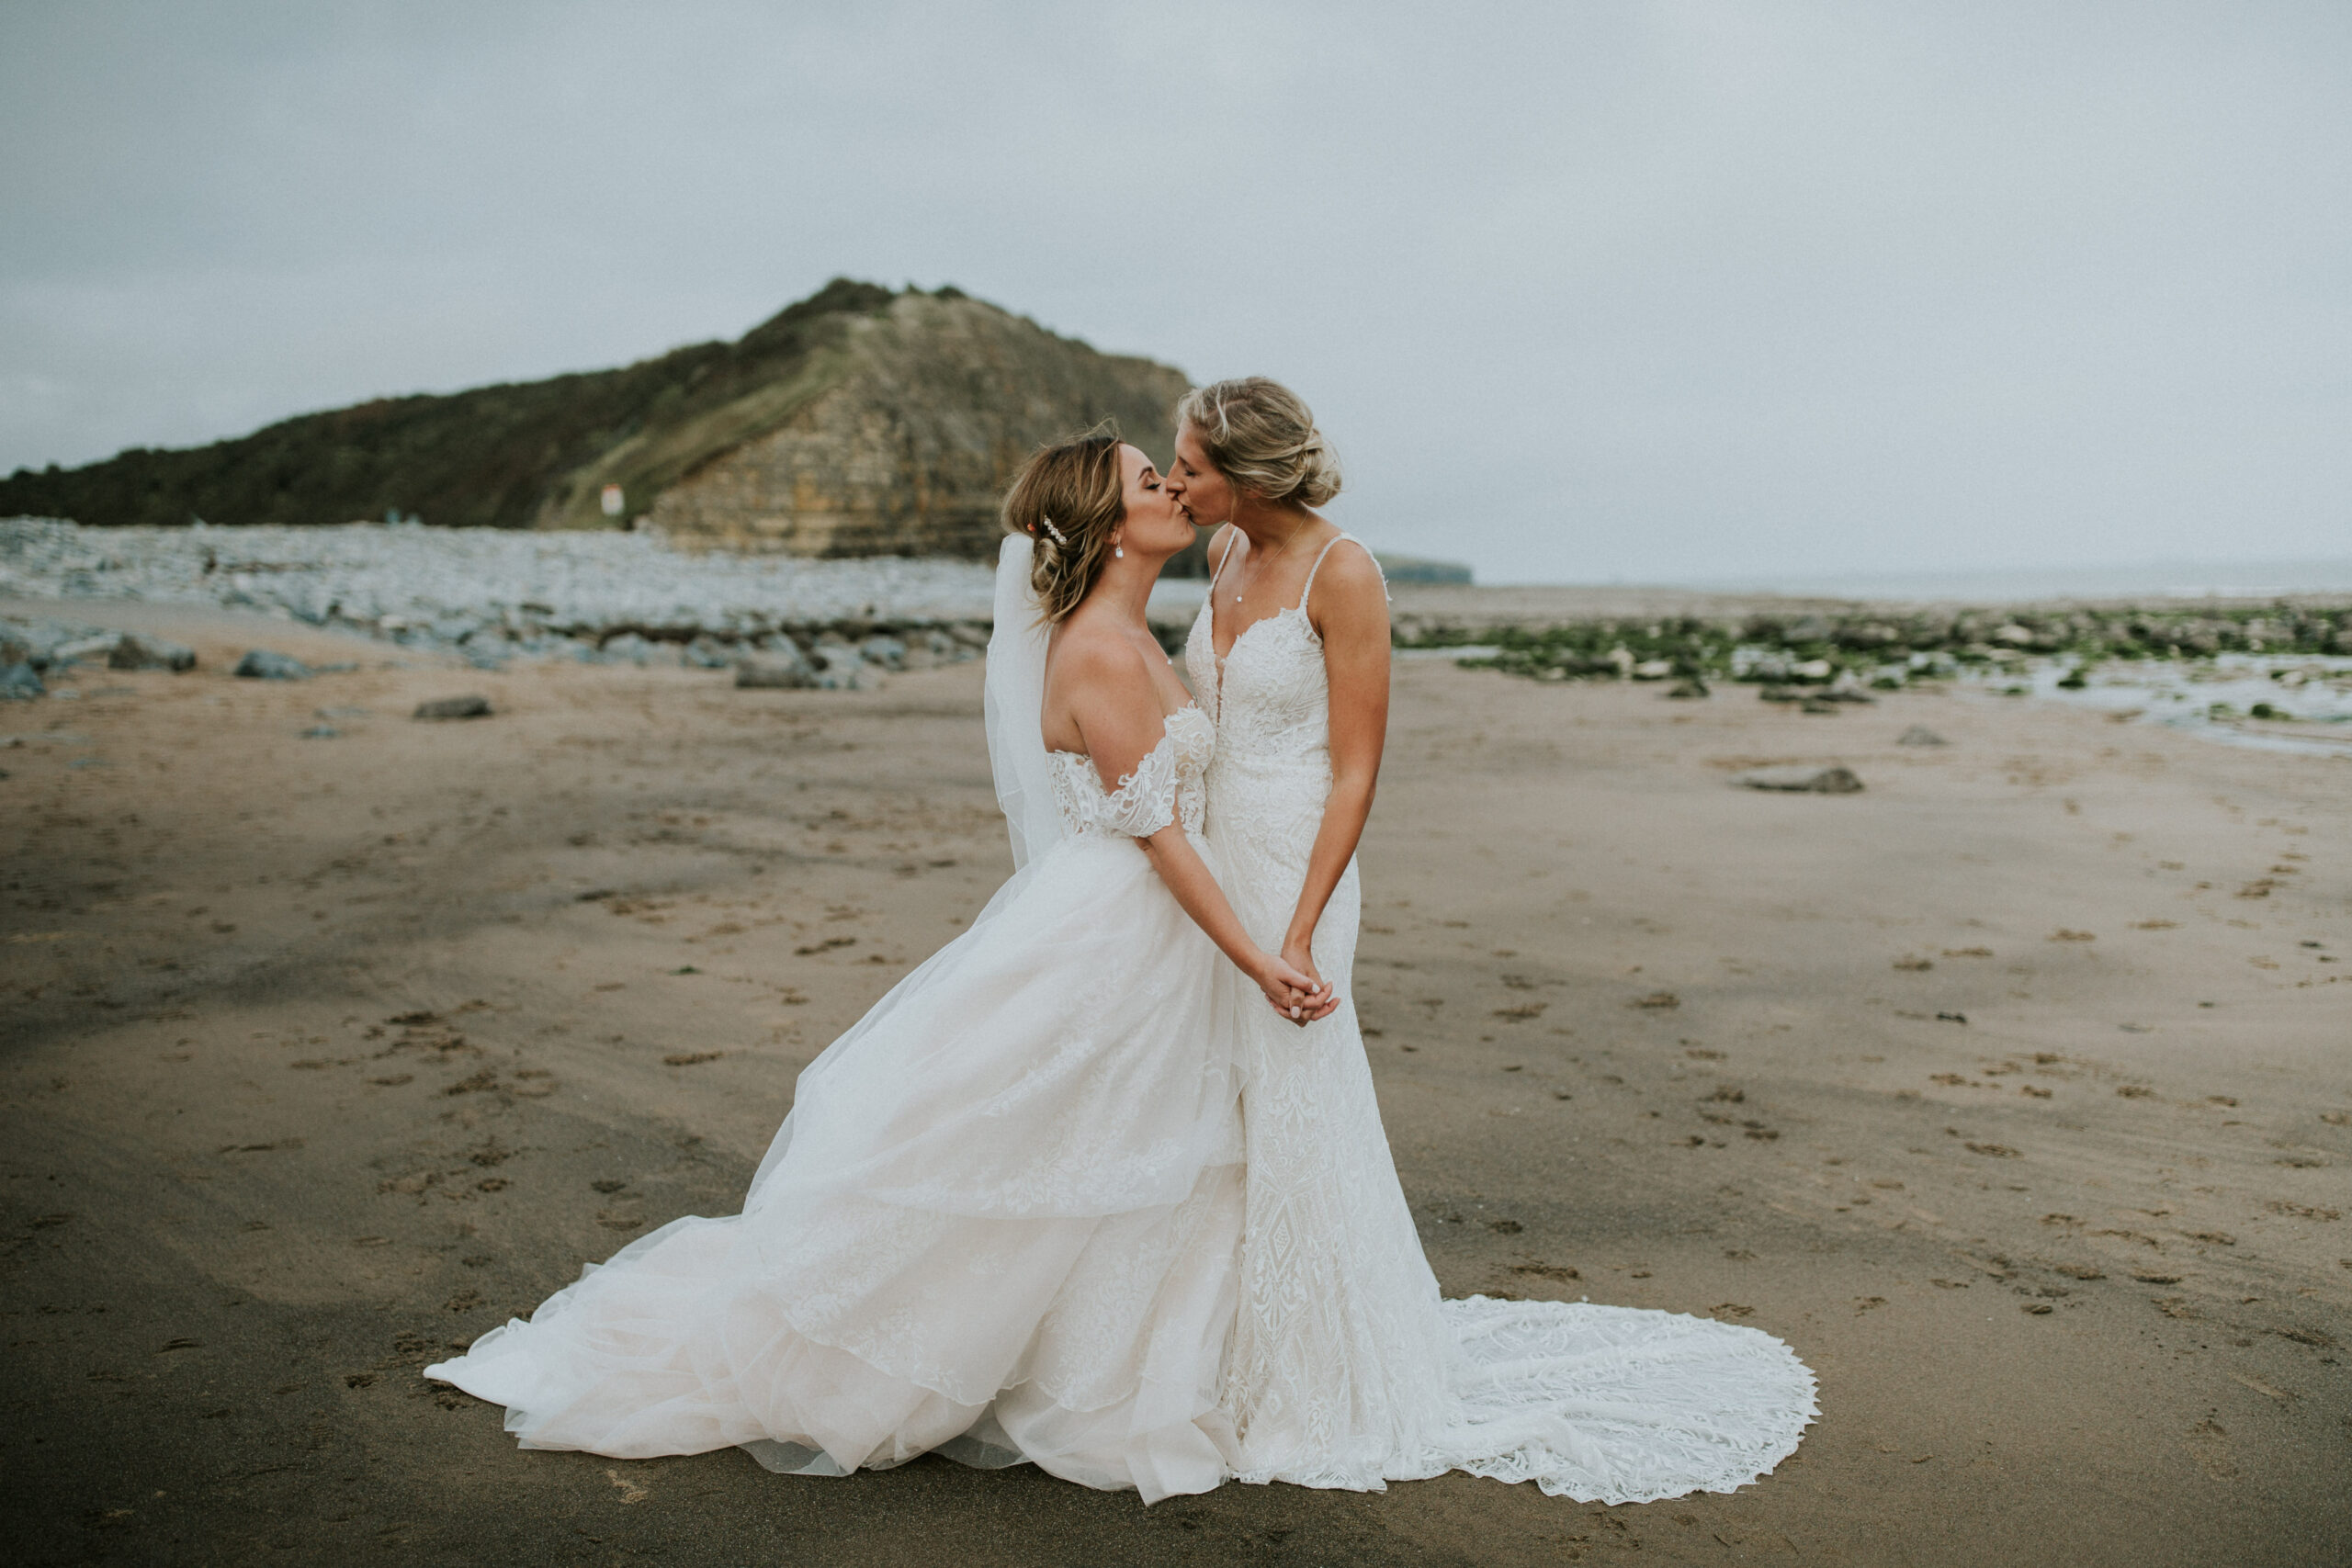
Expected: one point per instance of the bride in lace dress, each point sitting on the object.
(1347, 1369)
(1002, 1218)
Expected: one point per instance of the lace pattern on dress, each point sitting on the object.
(1269, 696)
(1002, 1221)
(1167, 787)
(1346, 1367)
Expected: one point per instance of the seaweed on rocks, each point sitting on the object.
(1834, 656)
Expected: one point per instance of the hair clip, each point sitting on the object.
(1056, 533)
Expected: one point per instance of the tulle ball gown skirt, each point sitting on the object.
(1000, 1222)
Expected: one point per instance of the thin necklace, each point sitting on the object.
(1280, 551)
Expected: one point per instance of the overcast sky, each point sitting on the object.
(1581, 291)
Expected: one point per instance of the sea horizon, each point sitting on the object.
(2166, 579)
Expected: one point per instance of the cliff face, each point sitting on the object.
(857, 422)
(909, 446)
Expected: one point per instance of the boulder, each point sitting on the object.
(886, 651)
(262, 664)
(773, 672)
(20, 683)
(1654, 669)
(1690, 686)
(706, 652)
(838, 667)
(51, 645)
(95, 646)
(1920, 735)
(137, 653)
(454, 707)
(1803, 780)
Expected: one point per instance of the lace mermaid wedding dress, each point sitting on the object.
(1001, 1218)
(1346, 1367)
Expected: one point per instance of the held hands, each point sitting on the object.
(1296, 994)
(1297, 991)
(1325, 1000)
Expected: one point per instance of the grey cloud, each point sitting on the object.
(1641, 291)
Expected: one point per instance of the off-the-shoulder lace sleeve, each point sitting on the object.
(1145, 801)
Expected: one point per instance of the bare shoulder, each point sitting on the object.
(1222, 542)
(1095, 656)
(1349, 583)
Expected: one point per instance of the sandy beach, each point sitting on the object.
(2013, 1091)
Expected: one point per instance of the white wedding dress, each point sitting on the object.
(1347, 1369)
(1002, 1218)
(1008, 1216)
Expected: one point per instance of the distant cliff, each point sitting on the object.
(857, 422)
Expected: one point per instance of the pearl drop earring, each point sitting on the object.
(1118, 550)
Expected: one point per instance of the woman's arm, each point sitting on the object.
(1188, 878)
(1354, 623)
(1117, 713)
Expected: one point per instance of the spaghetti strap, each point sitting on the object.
(1307, 591)
(1218, 571)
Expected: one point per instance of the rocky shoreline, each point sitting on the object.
(1886, 646)
(489, 595)
(2273, 674)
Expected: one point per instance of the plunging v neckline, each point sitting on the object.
(1305, 591)
(1244, 632)
(1218, 660)
(1300, 608)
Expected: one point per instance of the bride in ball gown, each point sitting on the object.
(1002, 1217)
(1347, 1369)
(1072, 1192)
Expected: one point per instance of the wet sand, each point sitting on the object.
(321, 1056)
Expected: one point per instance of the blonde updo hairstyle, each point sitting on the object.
(1070, 498)
(1262, 437)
